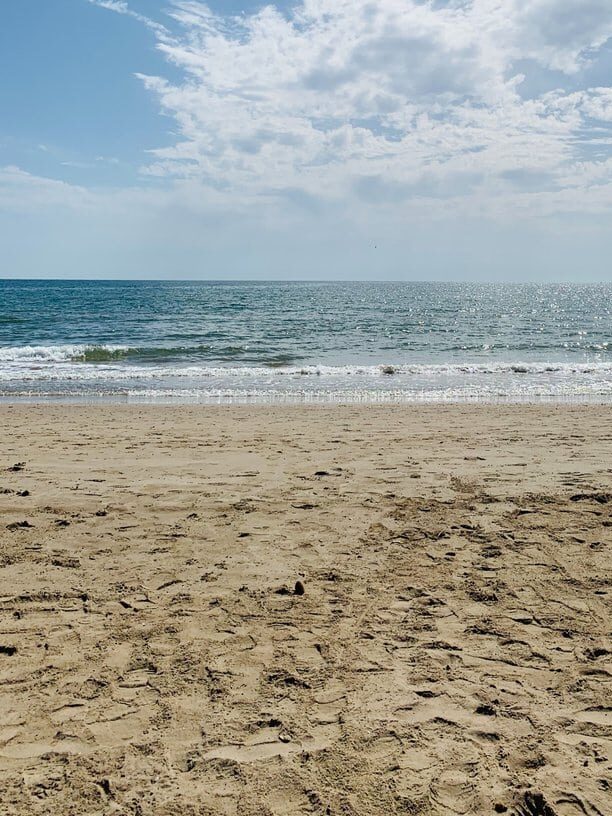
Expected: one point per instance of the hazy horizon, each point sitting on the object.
(381, 281)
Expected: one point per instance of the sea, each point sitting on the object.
(304, 342)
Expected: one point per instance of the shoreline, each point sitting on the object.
(290, 400)
(450, 651)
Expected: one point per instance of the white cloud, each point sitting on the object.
(399, 100)
(561, 33)
(122, 7)
(24, 192)
(347, 106)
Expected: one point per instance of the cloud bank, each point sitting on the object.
(393, 102)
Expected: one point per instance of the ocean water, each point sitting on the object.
(304, 342)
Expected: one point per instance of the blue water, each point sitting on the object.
(263, 341)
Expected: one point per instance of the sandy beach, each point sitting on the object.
(305, 610)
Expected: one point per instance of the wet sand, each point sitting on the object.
(447, 650)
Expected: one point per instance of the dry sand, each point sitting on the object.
(450, 653)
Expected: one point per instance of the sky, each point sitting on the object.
(323, 139)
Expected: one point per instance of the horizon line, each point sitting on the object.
(512, 282)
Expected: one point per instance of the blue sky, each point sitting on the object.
(69, 94)
(394, 139)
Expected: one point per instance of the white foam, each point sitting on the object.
(57, 369)
(62, 361)
(51, 354)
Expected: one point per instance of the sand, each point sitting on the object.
(447, 650)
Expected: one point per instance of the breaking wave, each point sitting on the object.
(85, 361)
